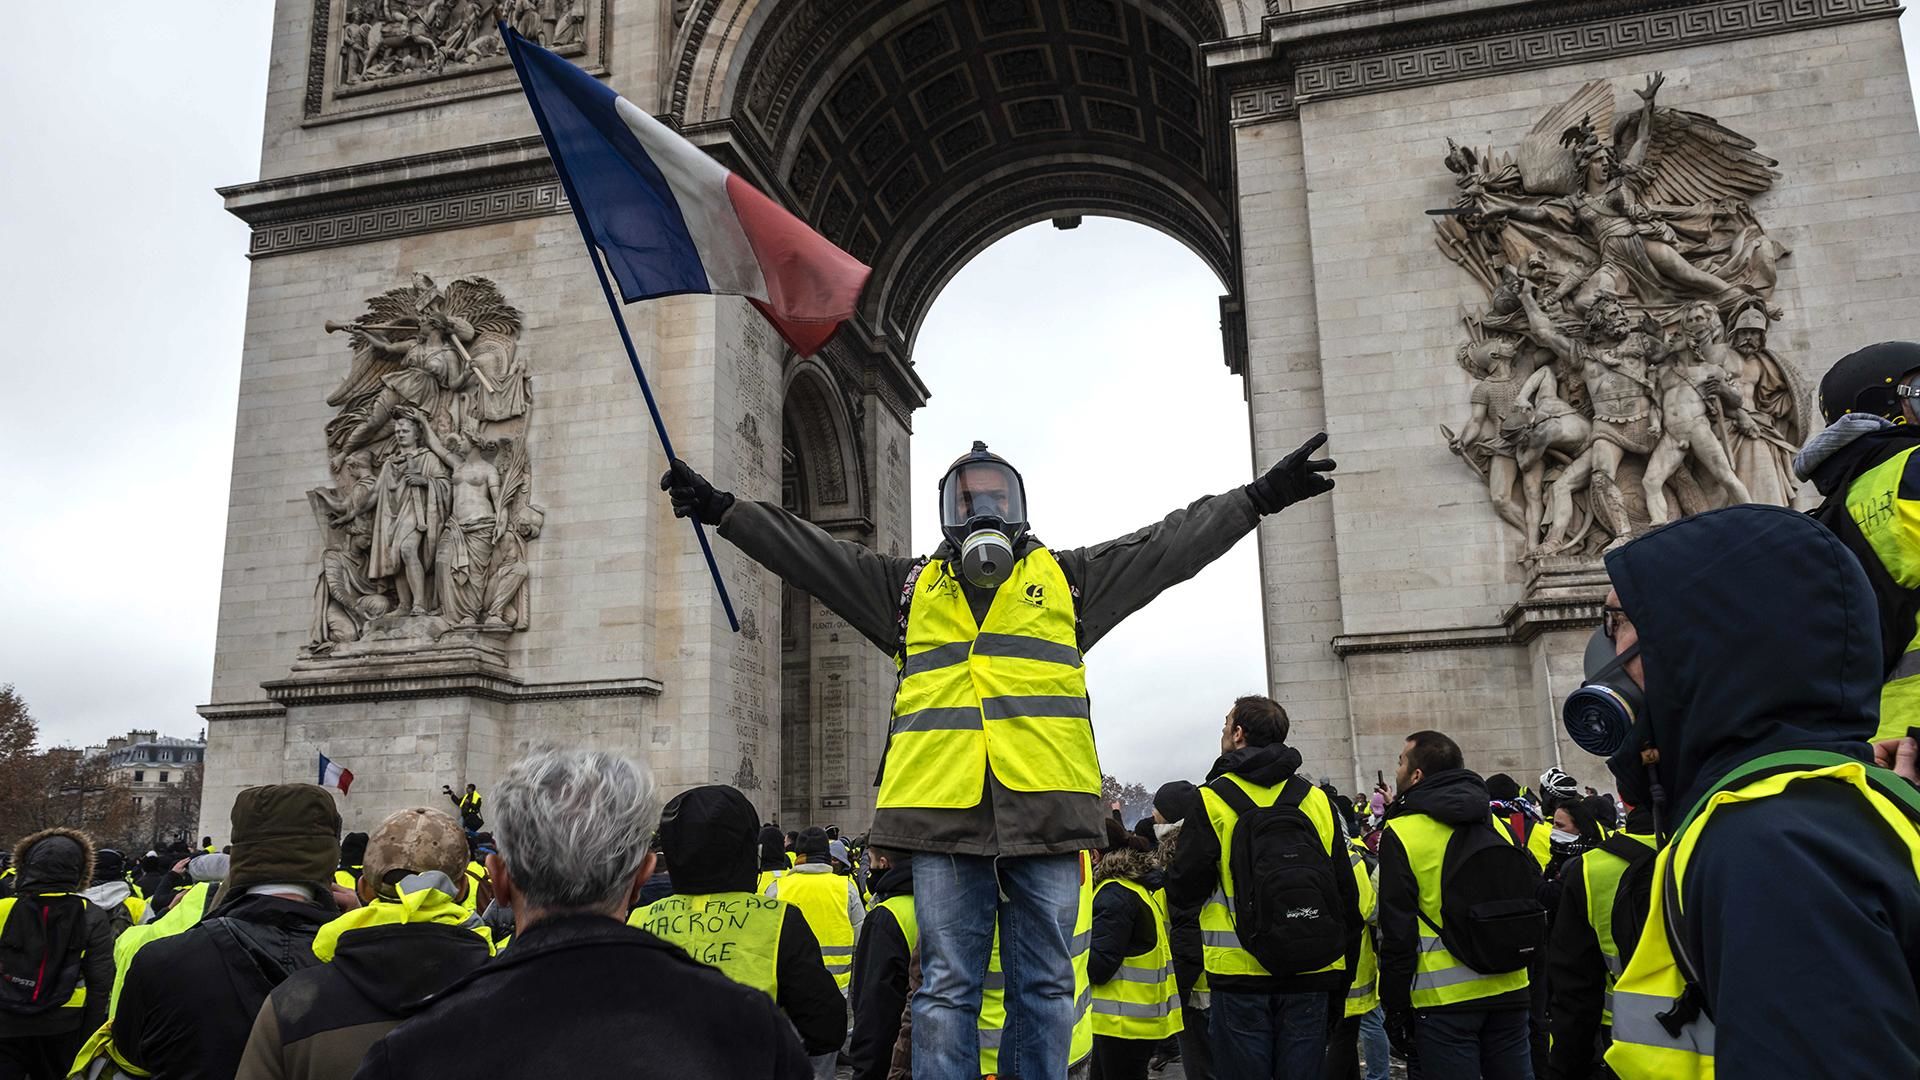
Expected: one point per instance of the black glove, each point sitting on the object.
(692, 495)
(1399, 1024)
(1293, 479)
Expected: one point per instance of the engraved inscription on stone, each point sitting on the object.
(430, 513)
(1622, 374)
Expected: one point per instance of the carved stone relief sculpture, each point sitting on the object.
(429, 516)
(393, 40)
(1621, 369)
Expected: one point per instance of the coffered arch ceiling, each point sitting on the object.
(914, 133)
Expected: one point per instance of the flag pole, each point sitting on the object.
(511, 39)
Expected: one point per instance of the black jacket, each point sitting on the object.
(591, 997)
(1834, 477)
(189, 1001)
(59, 861)
(1195, 870)
(1454, 797)
(318, 1024)
(1758, 633)
(1577, 970)
(880, 964)
(1123, 924)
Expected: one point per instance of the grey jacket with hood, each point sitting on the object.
(1758, 634)
(1112, 580)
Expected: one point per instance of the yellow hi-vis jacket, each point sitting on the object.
(822, 898)
(1011, 694)
(1141, 1001)
(1219, 940)
(1889, 518)
(736, 933)
(1644, 1048)
(993, 999)
(1438, 978)
(1364, 992)
(1600, 874)
(901, 907)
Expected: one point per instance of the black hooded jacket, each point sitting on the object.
(711, 835)
(1577, 969)
(189, 1001)
(1195, 869)
(319, 1023)
(60, 861)
(1452, 797)
(1758, 634)
(880, 965)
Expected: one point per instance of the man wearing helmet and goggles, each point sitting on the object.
(1864, 463)
(990, 763)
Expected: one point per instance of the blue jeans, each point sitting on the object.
(1373, 1043)
(1268, 1036)
(1473, 1044)
(956, 898)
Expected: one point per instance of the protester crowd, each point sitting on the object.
(1747, 906)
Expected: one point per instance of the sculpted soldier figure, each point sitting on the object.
(1493, 399)
(1612, 361)
(1694, 383)
(412, 494)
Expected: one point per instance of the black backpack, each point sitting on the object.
(40, 947)
(1286, 891)
(1633, 898)
(1488, 901)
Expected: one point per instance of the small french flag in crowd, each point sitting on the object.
(333, 775)
(670, 219)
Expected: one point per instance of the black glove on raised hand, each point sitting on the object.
(1293, 479)
(1399, 1023)
(692, 496)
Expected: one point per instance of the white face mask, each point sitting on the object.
(1164, 829)
(1565, 837)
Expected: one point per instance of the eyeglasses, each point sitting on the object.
(1610, 620)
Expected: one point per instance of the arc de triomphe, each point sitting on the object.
(444, 542)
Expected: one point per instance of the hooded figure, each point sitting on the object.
(188, 1002)
(1758, 633)
(711, 835)
(773, 849)
(881, 963)
(111, 892)
(53, 945)
(411, 940)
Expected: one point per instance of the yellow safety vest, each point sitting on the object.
(764, 883)
(1439, 979)
(901, 905)
(735, 933)
(822, 898)
(79, 996)
(417, 908)
(1219, 941)
(1540, 843)
(1011, 694)
(1363, 994)
(346, 880)
(993, 999)
(476, 876)
(1890, 522)
(1141, 1000)
(187, 911)
(470, 801)
(1600, 873)
(1643, 1049)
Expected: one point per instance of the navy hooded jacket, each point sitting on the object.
(1759, 633)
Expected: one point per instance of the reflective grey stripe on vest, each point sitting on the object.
(1432, 944)
(990, 1038)
(1009, 707)
(1221, 898)
(1453, 976)
(1081, 1003)
(1908, 666)
(1080, 942)
(1144, 974)
(936, 658)
(963, 718)
(1199, 999)
(1135, 1010)
(1220, 939)
(1609, 1002)
(1026, 648)
(1635, 1020)
(1615, 966)
(996, 980)
(839, 958)
(1360, 991)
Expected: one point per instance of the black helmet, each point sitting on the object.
(1869, 381)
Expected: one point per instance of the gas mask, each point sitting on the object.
(1604, 711)
(983, 514)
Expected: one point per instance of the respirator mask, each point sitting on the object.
(1603, 712)
(983, 514)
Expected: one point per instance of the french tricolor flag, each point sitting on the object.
(333, 776)
(669, 219)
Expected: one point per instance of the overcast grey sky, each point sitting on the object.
(124, 293)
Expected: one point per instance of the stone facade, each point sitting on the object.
(1292, 144)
